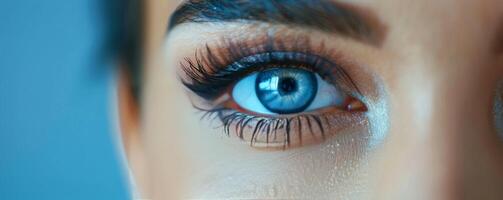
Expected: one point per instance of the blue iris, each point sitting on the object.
(286, 90)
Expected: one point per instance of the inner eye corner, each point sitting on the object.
(354, 104)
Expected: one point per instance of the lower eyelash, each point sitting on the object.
(259, 126)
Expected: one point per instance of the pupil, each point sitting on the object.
(287, 85)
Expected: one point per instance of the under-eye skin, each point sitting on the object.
(273, 93)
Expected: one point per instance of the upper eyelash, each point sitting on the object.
(214, 69)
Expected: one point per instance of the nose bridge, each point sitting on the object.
(460, 118)
(440, 124)
(443, 142)
(465, 155)
(417, 160)
(453, 139)
(462, 130)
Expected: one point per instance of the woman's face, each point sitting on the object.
(304, 99)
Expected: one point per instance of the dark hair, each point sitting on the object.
(134, 44)
(126, 37)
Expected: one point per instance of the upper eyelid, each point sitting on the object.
(209, 61)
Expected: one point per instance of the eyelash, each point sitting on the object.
(213, 70)
(266, 126)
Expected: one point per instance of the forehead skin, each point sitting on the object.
(440, 74)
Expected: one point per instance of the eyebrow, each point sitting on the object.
(324, 15)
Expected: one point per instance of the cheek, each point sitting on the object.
(222, 168)
(163, 124)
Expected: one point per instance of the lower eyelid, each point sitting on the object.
(282, 133)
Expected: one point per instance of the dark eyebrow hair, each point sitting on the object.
(324, 15)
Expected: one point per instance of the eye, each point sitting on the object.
(274, 93)
(285, 90)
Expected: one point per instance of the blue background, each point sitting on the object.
(56, 136)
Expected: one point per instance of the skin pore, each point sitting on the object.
(428, 83)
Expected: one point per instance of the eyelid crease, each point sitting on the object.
(213, 69)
